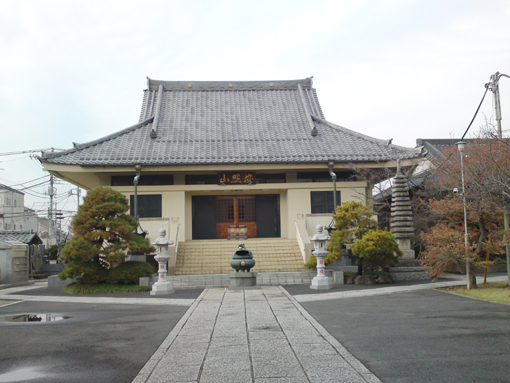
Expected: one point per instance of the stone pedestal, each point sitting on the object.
(321, 283)
(243, 281)
(405, 247)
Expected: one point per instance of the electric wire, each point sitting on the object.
(476, 113)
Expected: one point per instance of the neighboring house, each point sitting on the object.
(219, 154)
(26, 237)
(13, 214)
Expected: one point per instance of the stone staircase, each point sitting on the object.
(213, 256)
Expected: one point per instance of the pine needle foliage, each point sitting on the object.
(378, 249)
(352, 221)
(103, 231)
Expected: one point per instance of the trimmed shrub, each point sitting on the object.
(377, 249)
(128, 273)
(94, 273)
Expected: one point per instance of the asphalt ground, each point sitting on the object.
(420, 336)
(98, 343)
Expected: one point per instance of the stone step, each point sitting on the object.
(213, 256)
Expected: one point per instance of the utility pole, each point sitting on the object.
(78, 192)
(58, 223)
(51, 192)
(494, 87)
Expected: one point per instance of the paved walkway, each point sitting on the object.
(261, 335)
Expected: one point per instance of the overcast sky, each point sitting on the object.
(74, 71)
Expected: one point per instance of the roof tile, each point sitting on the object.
(211, 123)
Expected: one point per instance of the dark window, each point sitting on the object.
(322, 201)
(314, 177)
(145, 180)
(271, 178)
(149, 206)
(325, 177)
(201, 179)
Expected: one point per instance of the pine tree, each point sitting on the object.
(103, 231)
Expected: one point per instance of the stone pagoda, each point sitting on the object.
(401, 222)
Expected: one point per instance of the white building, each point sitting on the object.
(13, 215)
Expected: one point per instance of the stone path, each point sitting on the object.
(261, 336)
(460, 281)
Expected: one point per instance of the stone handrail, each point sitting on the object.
(173, 234)
(303, 238)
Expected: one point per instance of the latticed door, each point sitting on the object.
(238, 210)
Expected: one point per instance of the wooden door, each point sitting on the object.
(238, 210)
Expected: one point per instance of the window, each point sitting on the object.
(15, 204)
(325, 177)
(271, 178)
(322, 201)
(201, 179)
(314, 177)
(149, 206)
(145, 180)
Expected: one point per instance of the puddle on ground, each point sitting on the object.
(22, 318)
(21, 375)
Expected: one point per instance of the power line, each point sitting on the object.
(477, 109)
(29, 151)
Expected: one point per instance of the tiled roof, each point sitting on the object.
(230, 122)
(20, 236)
(435, 146)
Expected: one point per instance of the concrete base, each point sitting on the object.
(336, 276)
(321, 283)
(52, 268)
(162, 288)
(55, 283)
(243, 281)
(408, 254)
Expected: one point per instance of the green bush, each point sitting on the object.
(128, 273)
(377, 249)
(94, 273)
(78, 288)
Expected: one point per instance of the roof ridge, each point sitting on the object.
(229, 85)
(98, 141)
(377, 141)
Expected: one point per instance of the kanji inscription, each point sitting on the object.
(236, 178)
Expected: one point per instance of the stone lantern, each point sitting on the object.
(321, 281)
(162, 286)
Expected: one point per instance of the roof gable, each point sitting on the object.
(25, 237)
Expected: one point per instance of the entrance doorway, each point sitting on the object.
(239, 210)
(212, 215)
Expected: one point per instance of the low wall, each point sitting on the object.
(263, 279)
